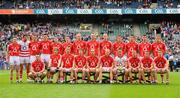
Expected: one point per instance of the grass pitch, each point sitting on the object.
(26, 90)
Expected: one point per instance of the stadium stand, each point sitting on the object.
(39, 4)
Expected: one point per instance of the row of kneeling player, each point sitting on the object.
(92, 64)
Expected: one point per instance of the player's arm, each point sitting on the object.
(43, 68)
(59, 62)
(166, 65)
(32, 70)
(50, 61)
(74, 65)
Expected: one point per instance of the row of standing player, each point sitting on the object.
(24, 52)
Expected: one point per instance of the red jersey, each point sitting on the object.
(67, 60)
(144, 46)
(93, 45)
(80, 61)
(14, 49)
(146, 62)
(106, 61)
(34, 48)
(160, 62)
(58, 46)
(158, 46)
(55, 60)
(131, 46)
(79, 45)
(105, 45)
(46, 47)
(38, 66)
(67, 44)
(118, 45)
(134, 62)
(92, 61)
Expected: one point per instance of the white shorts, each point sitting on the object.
(14, 60)
(106, 69)
(32, 59)
(45, 57)
(66, 69)
(24, 60)
(53, 69)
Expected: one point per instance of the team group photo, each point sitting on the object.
(89, 48)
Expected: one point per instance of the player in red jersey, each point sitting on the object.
(158, 45)
(79, 43)
(37, 70)
(131, 46)
(34, 47)
(13, 51)
(161, 66)
(119, 44)
(66, 44)
(147, 65)
(45, 49)
(80, 65)
(58, 45)
(54, 64)
(24, 56)
(92, 65)
(133, 66)
(105, 44)
(67, 64)
(106, 65)
(144, 46)
(93, 45)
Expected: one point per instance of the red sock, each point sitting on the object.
(21, 71)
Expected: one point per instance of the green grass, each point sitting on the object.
(26, 90)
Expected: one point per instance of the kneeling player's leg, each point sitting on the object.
(31, 76)
(71, 75)
(76, 73)
(130, 75)
(83, 74)
(100, 75)
(126, 74)
(43, 75)
(111, 74)
(167, 75)
(97, 71)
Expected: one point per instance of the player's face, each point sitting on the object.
(134, 53)
(78, 36)
(68, 50)
(132, 39)
(105, 37)
(118, 38)
(92, 52)
(67, 39)
(14, 40)
(45, 37)
(158, 38)
(144, 38)
(119, 52)
(38, 57)
(159, 53)
(56, 51)
(146, 54)
(24, 38)
(93, 36)
(56, 40)
(107, 52)
(81, 52)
